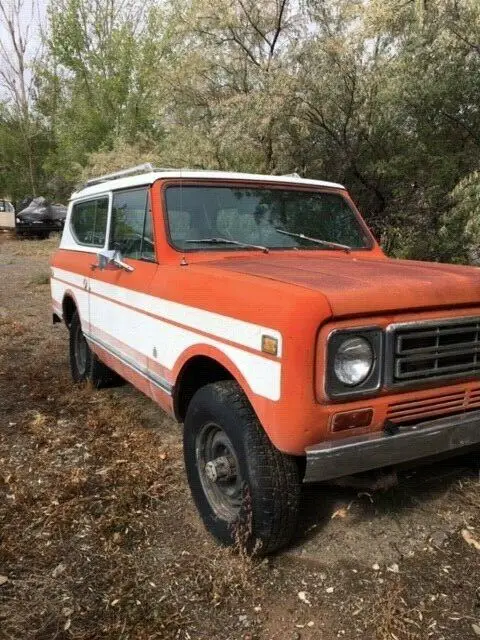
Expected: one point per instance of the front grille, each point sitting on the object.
(434, 405)
(448, 349)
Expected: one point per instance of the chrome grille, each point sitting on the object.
(448, 349)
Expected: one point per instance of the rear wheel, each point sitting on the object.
(84, 364)
(244, 488)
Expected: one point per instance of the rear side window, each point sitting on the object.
(89, 221)
(131, 229)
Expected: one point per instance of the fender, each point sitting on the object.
(261, 405)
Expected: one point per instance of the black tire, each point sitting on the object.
(84, 364)
(263, 517)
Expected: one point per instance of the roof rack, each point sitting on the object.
(148, 167)
(123, 173)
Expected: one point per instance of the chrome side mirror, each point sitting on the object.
(108, 257)
(104, 258)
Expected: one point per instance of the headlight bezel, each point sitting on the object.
(336, 389)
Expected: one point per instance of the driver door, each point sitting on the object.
(118, 322)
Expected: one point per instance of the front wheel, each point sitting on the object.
(246, 490)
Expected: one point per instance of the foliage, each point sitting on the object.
(459, 235)
(379, 95)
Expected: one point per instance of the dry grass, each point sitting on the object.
(29, 247)
(39, 279)
(87, 537)
(394, 619)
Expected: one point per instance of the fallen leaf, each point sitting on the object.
(469, 539)
(476, 629)
(393, 568)
(302, 595)
(60, 568)
(3, 580)
(339, 513)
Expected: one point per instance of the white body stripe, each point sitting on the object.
(225, 327)
(81, 294)
(145, 333)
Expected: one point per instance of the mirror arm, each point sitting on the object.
(122, 265)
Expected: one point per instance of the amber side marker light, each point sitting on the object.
(352, 419)
(270, 345)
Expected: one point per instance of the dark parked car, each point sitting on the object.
(38, 217)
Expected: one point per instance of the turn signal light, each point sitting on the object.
(352, 419)
(270, 345)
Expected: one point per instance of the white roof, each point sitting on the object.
(150, 177)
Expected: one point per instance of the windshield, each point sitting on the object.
(257, 216)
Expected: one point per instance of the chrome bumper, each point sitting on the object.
(329, 460)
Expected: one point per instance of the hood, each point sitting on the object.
(356, 285)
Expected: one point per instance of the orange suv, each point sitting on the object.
(260, 312)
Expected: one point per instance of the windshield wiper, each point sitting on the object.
(325, 243)
(228, 241)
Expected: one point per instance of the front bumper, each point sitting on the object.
(335, 459)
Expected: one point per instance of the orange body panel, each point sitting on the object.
(303, 295)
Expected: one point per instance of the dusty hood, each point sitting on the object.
(354, 285)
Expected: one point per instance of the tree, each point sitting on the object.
(230, 85)
(379, 95)
(20, 132)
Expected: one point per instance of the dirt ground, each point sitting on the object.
(99, 538)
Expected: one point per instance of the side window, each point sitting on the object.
(131, 228)
(89, 221)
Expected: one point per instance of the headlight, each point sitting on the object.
(353, 361)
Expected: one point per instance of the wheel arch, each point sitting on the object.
(196, 372)
(199, 368)
(69, 306)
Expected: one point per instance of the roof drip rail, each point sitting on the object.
(123, 173)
